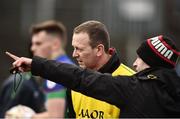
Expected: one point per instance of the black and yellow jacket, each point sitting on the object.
(81, 106)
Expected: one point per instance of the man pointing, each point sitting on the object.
(153, 92)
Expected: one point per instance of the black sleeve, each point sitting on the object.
(104, 87)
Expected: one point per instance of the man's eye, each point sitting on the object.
(38, 43)
(78, 49)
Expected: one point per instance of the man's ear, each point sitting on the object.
(100, 50)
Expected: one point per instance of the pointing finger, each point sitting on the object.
(12, 56)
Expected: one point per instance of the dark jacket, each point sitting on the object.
(154, 92)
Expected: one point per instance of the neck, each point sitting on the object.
(102, 61)
(57, 53)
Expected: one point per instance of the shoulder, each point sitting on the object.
(157, 73)
(163, 72)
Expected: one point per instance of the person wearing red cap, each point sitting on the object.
(153, 92)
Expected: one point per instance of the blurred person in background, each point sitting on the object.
(92, 50)
(49, 39)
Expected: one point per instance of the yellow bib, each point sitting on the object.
(87, 107)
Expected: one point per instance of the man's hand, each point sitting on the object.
(22, 63)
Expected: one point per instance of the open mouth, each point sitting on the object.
(80, 62)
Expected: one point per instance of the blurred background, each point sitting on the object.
(129, 22)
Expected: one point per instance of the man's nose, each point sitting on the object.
(75, 54)
(135, 64)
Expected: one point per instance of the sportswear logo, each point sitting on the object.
(93, 114)
(161, 48)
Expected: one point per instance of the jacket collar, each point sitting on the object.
(112, 64)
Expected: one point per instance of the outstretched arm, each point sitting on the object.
(104, 87)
